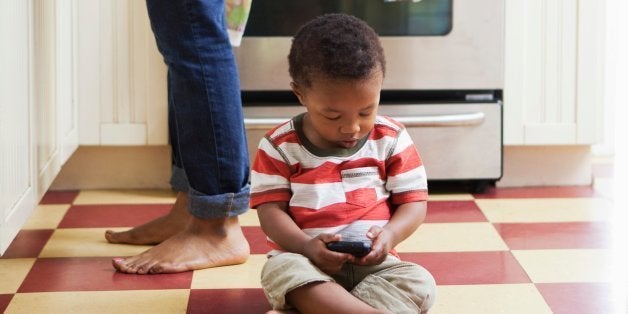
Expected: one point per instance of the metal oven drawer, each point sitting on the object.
(456, 141)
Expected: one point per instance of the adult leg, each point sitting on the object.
(164, 227)
(158, 229)
(211, 143)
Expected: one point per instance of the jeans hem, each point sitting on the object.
(219, 206)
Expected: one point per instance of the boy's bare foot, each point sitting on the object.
(202, 244)
(157, 230)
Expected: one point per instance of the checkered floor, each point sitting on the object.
(523, 250)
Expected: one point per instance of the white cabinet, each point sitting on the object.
(38, 112)
(553, 91)
(121, 76)
(18, 187)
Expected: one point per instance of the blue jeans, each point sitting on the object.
(210, 156)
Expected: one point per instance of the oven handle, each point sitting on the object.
(445, 120)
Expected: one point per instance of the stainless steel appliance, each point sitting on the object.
(444, 75)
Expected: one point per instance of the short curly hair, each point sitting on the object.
(335, 46)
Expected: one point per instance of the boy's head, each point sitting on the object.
(337, 67)
(336, 47)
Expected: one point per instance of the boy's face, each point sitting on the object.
(339, 112)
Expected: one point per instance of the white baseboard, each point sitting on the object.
(546, 166)
(116, 167)
(149, 167)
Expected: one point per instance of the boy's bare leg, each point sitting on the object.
(158, 229)
(202, 244)
(329, 298)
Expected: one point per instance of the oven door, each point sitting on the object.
(464, 52)
(456, 141)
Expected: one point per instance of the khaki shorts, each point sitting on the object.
(394, 285)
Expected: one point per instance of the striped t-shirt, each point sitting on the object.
(343, 191)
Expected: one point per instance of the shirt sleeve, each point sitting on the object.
(269, 176)
(407, 180)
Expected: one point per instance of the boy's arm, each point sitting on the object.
(280, 227)
(405, 220)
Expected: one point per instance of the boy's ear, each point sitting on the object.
(296, 89)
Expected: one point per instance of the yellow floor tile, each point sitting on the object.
(583, 265)
(134, 301)
(249, 219)
(545, 210)
(453, 237)
(46, 216)
(13, 272)
(450, 197)
(482, 299)
(79, 242)
(246, 275)
(101, 197)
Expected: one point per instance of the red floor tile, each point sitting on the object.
(111, 216)
(563, 235)
(454, 211)
(4, 301)
(94, 274)
(573, 298)
(257, 240)
(59, 197)
(538, 192)
(28, 243)
(227, 301)
(468, 268)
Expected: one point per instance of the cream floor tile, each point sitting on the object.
(46, 216)
(12, 273)
(246, 275)
(88, 197)
(454, 237)
(582, 265)
(249, 218)
(134, 301)
(545, 210)
(451, 197)
(482, 299)
(80, 242)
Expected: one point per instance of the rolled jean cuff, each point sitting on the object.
(218, 206)
(179, 180)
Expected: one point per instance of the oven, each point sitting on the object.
(444, 78)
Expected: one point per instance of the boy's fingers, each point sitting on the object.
(373, 232)
(326, 237)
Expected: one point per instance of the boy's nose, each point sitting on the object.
(350, 128)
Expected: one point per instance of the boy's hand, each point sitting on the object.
(382, 244)
(328, 261)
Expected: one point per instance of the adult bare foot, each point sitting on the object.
(158, 229)
(202, 244)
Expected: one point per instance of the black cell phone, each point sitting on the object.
(355, 248)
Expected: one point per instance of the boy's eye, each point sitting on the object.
(332, 118)
(365, 114)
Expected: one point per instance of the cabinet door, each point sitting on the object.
(38, 119)
(554, 72)
(122, 77)
(18, 188)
